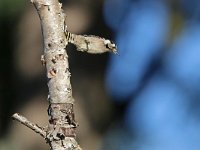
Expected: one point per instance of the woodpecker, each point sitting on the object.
(90, 43)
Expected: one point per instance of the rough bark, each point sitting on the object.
(60, 133)
(61, 128)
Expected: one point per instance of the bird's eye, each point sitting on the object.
(107, 46)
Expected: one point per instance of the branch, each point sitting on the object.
(61, 131)
(29, 124)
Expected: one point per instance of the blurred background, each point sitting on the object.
(144, 98)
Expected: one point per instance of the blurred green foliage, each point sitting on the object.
(10, 12)
(11, 7)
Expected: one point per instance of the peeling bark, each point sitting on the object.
(60, 133)
(61, 130)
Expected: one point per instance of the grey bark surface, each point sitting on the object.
(61, 129)
(60, 133)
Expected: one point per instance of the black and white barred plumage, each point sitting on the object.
(91, 44)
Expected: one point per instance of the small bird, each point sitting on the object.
(91, 44)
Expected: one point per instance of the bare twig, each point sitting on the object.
(29, 124)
